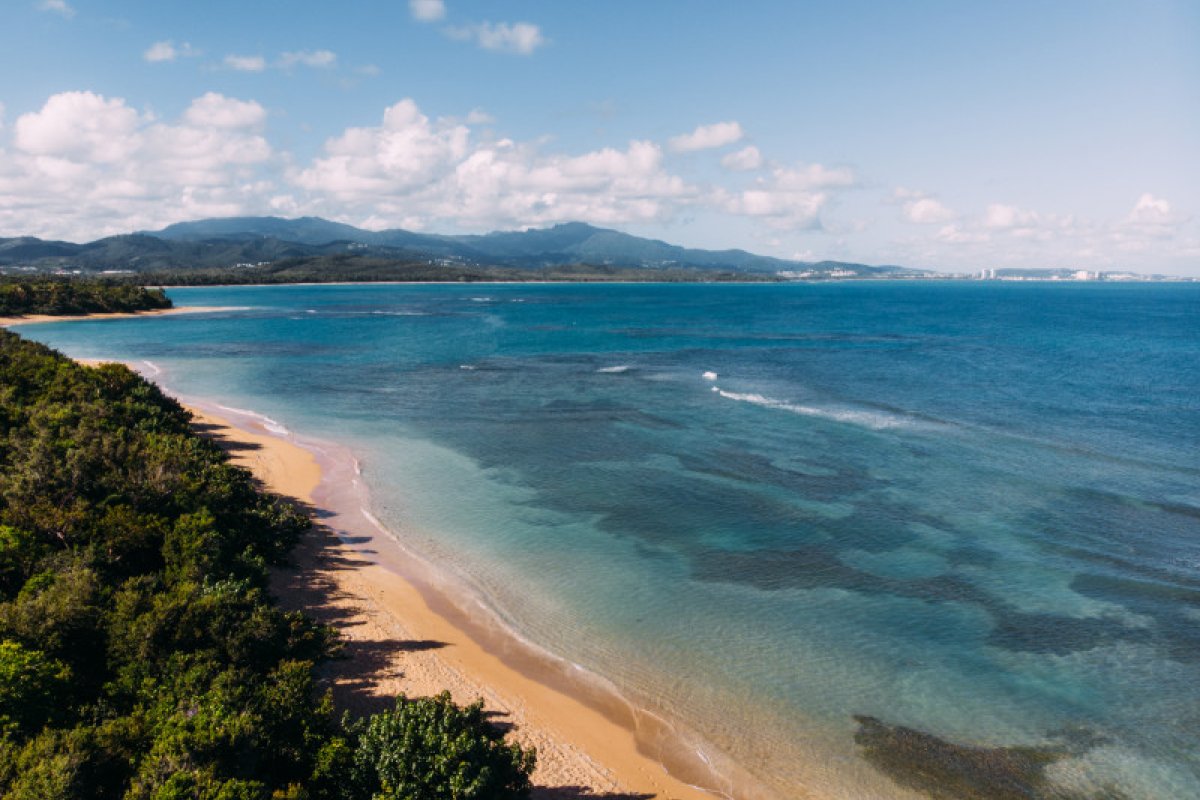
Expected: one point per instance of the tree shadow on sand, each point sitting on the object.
(583, 793)
(311, 585)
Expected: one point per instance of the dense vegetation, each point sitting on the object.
(66, 297)
(140, 654)
(365, 269)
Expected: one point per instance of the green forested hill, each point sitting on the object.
(67, 297)
(140, 655)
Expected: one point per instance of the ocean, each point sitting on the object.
(864, 539)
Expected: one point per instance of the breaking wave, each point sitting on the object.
(875, 420)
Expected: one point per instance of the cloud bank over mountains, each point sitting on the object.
(85, 165)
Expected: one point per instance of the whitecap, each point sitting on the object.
(709, 376)
(614, 370)
(876, 420)
(271, 425)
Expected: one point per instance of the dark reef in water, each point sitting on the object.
(947, 771)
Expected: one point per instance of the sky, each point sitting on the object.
(942, 135)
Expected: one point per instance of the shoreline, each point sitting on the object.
(405, 634)
(36, 319)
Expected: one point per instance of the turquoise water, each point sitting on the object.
(968, 509)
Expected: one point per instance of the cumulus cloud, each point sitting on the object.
(415, 171)
(744, 160)
(1151, 210)
(706, 137)
(167, 51)
(79, 126)
(927, 211)
(84, 165)
(217, 111)
(160, 51)
(518, 38)
(427, 10)
(89, 164)
(1004, 234)
(60, 7)
(790, 197)
(920, 208)
(245, 63)
(402, 154)
(318, 59)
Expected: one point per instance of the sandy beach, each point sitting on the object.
(398, 640)
(30, 319)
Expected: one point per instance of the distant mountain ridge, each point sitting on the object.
(239, 241)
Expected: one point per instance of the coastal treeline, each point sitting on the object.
(73, 297)
(366, 269)
(141, 656)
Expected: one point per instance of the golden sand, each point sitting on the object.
(30, 319)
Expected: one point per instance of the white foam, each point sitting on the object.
(467, 366)
(876, 420)
(155, 370)
(271, 425)
(615, 370)
(709, 376)
(374, 521)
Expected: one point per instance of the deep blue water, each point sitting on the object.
(970, 509)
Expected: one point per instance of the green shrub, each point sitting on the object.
(431, 749)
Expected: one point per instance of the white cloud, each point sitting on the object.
(60, 7)
(744, 160)
(217, 111)
(921, 209)
(402, 154)
(318, 59)
(167, 51)
(160, 51)
(927, 211)
(520, 38)
(1009, 235)
(245, 63)
(85, 165)
(80, 126)
(1004, 217)
(706, 137)
(427, 10)
(789, 197)
(413, 171)
(1151, 210)
(957, 234)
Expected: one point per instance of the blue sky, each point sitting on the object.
(937, 134)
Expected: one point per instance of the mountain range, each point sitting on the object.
(242, 241)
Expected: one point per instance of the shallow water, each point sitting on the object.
(968, 510)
